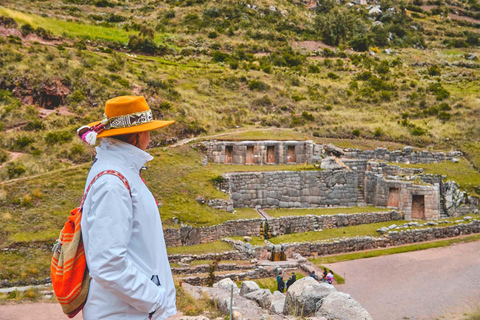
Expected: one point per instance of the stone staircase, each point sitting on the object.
(361, 198)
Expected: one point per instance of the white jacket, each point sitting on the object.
(123, 239)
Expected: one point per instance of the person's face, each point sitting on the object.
(143, 140)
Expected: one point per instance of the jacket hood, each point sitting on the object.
(131, 156)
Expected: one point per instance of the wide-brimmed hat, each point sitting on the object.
(123, 115)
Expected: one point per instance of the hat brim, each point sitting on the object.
(155, 124)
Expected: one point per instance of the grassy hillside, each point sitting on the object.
(217, 66)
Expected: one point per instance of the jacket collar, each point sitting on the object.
(128, 155)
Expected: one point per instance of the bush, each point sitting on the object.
(104, 4)
(219, 56)
(356, 133)
(26, 29)
(308, 116)
(23, 141)
(15, 169)
(212, 34)
(444, 116)
(34, 125)
(434, 70)
(313, 68)
(333, 76)
(54, 137)
(418, 131)
(3, 156)
(378, 132)
(258, 85)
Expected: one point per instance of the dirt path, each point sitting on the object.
(415, 285)
(41, 311)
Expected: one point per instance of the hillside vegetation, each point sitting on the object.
(217, 66)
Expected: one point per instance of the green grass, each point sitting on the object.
(322, 211)
(25, 264)
(326, 234)
(200, 262)
(462, 172)
(211, 247)
(265, 134)
(271, 283)
(256, 241)
(381, 252)
(66, 28)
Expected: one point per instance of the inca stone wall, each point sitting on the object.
(378, 193)
(257, 152)
(407, 155)
(188, 235)
(294, 189)
(394, 238)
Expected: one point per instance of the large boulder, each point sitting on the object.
(248, 286)
(303, 295)
(339, 305)
(276, 302)
(259, 296)
(227, 283)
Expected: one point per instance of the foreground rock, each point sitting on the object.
(227, 284)
(248, 286)
(339, 305)
(303, 295)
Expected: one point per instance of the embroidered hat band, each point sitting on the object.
(128, 120)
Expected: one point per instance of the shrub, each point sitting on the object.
(3, 156)
(434, 70)
(378, 132)
(386, 95)
(313, 68)
(263, 101)
(212, 34)
(356, 132)
(26, 29)
(15, 169)
(444, 116)
(54, 137)
(217, 180)
(219, 56)
(333, 76)
(444, 106)
(23, 141)
(104, 4)
(258, 85)
(418, 131)
(34, 125)
(308, 116)
(8, 22)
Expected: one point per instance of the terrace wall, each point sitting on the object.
(294, 189)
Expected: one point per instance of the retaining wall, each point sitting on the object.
(294, 189)
(189, 235)
(407, 155)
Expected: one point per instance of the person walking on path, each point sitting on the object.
(121, 228)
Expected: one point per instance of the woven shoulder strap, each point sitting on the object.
(112, 172)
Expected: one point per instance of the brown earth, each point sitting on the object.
(416, 285)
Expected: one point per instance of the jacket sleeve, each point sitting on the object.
(108, 229)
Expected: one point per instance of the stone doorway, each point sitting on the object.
(249, 156)
(291, 154)
(418, 207)
(271, 154)
(229, 154)
(393, 197)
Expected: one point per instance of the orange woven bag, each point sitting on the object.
(69, 271)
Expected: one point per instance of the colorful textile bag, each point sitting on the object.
(69, 271)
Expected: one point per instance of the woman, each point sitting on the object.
(121, 228)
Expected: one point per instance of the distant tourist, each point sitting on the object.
(329, 276)
(313, 275)
(324, 276)
(280, 283)
(291, 280)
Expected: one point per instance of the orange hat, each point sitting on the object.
(123, 115)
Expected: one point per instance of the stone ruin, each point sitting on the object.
(347, 177)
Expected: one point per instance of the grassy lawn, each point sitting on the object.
(462, 172)
(212, 247)
(25, 264)
(238, 262)
(256, 241)
(320, 212)
(381, 252)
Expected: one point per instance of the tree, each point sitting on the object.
(335, 26)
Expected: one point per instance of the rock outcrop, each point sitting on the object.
(339, 305)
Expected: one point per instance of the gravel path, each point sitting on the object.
(415, 285)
